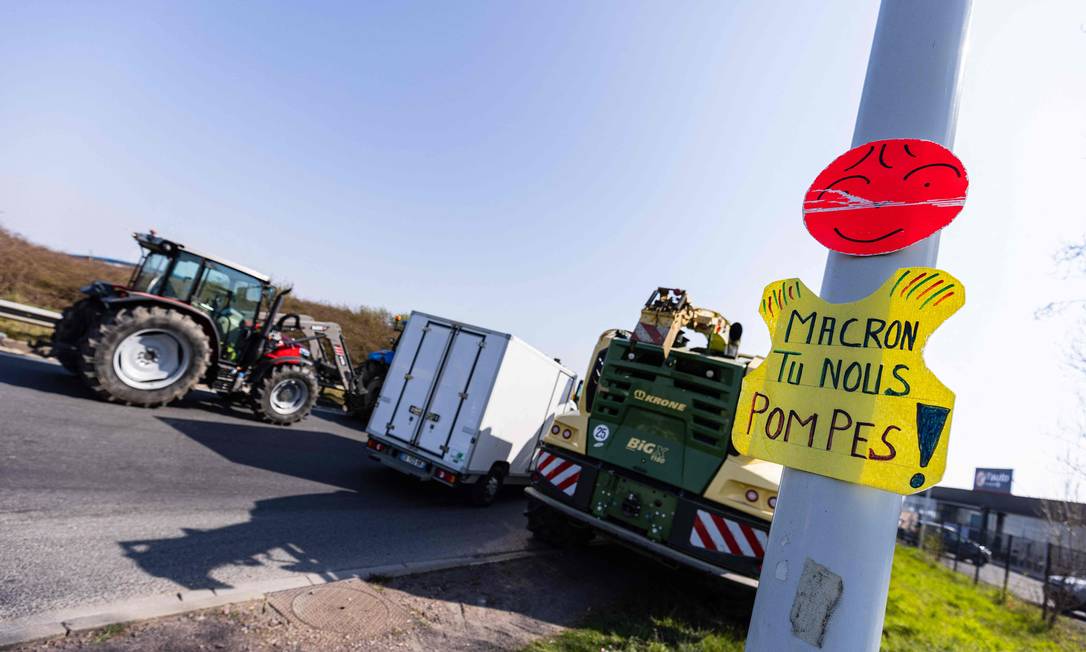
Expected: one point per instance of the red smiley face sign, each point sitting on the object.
(884, 196)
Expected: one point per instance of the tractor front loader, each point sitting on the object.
(184, 318)
(328, 349)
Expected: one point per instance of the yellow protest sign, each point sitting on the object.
(844, 391)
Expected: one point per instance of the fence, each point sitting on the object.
(1014, 564)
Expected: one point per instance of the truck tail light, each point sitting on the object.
(445, 476)
(375, 445)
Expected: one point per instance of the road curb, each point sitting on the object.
(67, 622)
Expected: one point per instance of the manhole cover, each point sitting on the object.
(344, 610)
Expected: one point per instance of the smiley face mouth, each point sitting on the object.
(862, 241)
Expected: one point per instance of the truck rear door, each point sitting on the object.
(444, 412)
(410, 405)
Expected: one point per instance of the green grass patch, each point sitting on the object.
(929, 608)
(106, 633)
(22, 332)
(933, 608)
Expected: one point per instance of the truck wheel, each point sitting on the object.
(286, 394)
(69, 331)
(553, 528)
(486, 489)
(144, 356)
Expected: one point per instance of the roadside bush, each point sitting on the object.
(39, 276)
(932, 544)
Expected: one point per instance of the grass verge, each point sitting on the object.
(929, 608)
(21, 332)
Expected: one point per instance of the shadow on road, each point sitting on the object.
(618, 590)
(41, 375)
(293, 529)
(322, 533)
(382, 518)
(322, 457)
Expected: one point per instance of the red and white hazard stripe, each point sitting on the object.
(648, 333)
(563, 474)
(716, 533)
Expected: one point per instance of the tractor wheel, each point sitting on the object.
(68, 332)
(553, 528)
(369, 400)
(286, 394)
(144, 356)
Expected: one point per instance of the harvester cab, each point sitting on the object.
(668, 311)
(646, 455)
(186, 317)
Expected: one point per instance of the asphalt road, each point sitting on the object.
(102, 502)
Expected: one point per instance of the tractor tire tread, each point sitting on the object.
(261, 401)
(73, 323)
(97, 349)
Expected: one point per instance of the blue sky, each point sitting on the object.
(540, 167)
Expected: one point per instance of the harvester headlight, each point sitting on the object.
(555, 429)
(752, 495)
(772, 502)
(567, 433)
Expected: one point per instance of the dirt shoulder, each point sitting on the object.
(501, 606)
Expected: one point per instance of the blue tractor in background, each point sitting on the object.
(370, 375)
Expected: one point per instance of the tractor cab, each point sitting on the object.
(231, 295)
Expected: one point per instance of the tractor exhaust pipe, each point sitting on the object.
(273, 311)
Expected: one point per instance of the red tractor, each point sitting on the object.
(186, 318)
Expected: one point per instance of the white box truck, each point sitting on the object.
(464, 405)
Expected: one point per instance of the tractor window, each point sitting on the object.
(150, 273)
(179, 283)
(232, 298)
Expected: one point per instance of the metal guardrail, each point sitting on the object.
(28, 314)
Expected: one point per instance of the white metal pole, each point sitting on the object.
(910, 91)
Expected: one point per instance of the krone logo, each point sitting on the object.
(642, 395)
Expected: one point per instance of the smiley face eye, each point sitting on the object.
(947, 166)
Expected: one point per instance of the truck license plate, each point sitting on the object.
(413, 461)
